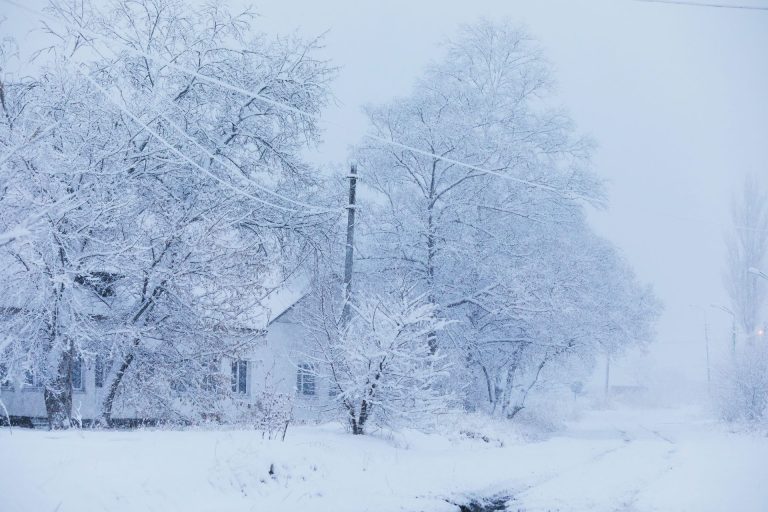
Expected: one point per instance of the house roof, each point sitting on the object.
(283, 300)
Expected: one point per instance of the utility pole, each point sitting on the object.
(350, 247)
(733, 326)
(706, 345)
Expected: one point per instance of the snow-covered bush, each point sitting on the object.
(741, 392)
(270, 413)
(379, 363)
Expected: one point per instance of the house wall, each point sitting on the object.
(272, 367)
(23, 400)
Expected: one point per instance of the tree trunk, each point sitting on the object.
(358, 424)
(523, 392)
(57, 393)
(489, 387)
(431, 253)
(109, 400)
(363, 418)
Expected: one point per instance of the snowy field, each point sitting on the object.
(650, 460)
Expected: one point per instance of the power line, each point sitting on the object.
(703, 4)
(476, 168)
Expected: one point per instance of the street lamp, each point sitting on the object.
(733, 325)
(706, 345)
(759, 273)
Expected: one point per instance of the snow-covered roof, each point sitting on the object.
(274, 302)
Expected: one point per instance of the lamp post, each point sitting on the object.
(733, 325)
(706, 346)
(759, 273)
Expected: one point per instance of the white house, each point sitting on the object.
(278, 365)
(282, 365)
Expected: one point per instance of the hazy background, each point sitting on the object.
(675, 96)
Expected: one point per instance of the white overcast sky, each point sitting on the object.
(675, 96)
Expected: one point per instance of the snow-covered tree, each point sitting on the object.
(748, 248)
(475, 188)
(188, 198)
(481, 106)
(577, 299)
(742, 390)
(51, 275)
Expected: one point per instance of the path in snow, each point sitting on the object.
(662, 461)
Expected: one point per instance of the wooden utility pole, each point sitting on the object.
(350, 255)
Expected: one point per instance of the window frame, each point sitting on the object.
(34, 385)
(333, 390)
(306, 380)
(82, 372)
(6, 384)
(99, 372)
(240, 374)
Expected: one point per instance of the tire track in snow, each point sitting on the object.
(628, 503)
(595, 459)
(625, 502)
(493, 493)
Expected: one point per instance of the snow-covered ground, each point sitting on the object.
(629, 460)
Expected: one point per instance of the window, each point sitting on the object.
(78, 375)
(305, 380)
(31, 380)
(99, 368)
(240, 377)
(5, 382)
(212, 381)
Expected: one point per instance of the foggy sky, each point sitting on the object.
(676, 98)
